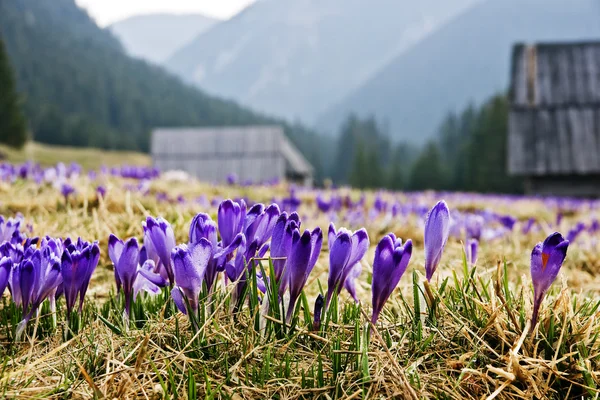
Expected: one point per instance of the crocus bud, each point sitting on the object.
(281, 244)
(471, 251)
(346, 249)
(230, 217)
(77, 266)
(546, 260)
(318, 310)
(390, 263)
(125, 258)
(437, 229)
(303, 256)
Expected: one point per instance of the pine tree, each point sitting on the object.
(427, 171)
(13, 131)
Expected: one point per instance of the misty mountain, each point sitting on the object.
(465, 61)
(81, 89)
(155, 37)
(296, 57)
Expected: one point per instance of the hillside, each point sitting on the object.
(155, 37)
(296, 57)
(81, 89)
(465, 61)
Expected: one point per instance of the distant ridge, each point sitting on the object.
(465, 61)
(155, 37)
(295, 58)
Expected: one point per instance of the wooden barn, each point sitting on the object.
(252, 153)
(554, 120)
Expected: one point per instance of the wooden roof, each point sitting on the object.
(554, 121)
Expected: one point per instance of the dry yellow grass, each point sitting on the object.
(474, 343)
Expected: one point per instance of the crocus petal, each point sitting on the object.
(331, 235)
(235, 243)
(27, 280)
(177, 296)
(350, 283)
(298, 267)
(230, 218)
(437, 229)
(203, 227)
(51, 281)
(5, 266)
(382, 266)
(360, 245)
(338, 258)
(128, 264)
(189, 265)
(147, 271)
(115, 248)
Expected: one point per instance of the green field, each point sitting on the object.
(48, 155)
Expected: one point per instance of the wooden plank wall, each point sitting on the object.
(211, 154)
(555, 130)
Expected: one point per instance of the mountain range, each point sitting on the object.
(467, 60)
(155, 37)
(295, 58)
(81, 88)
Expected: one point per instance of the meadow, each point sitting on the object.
(465, 334)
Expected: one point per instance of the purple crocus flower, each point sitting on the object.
(125, 258)
(236, 268)
(391, 260)
(474, 226)
(546, 260)
(281, 243)
(9, 229)
(101, 191)
(66, 190)
(527, 226)
(5, 267)
(79, 262)
(260, 222)
(230, 217)
(189, 266)
(159, 240)
(322, 204)
(203, 227)
(471, 251)
(508, 221)
(39, 278)
(437, 229)
(346, 249)
(303, 256)
(573, 233)
(232, 179)
(129, 275)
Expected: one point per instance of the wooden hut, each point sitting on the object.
(252, 153)
(554, 120)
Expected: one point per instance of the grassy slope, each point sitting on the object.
(475, 342)
(89, 158)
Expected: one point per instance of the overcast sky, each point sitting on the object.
(106, 12)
